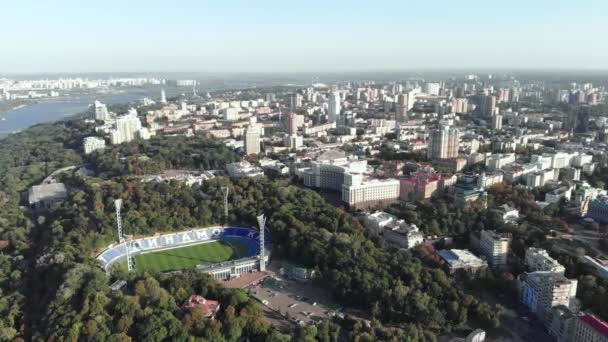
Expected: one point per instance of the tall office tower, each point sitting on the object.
(163, 97)
(495, 247)
(443, 143)
(578, 119)
(497, 122)
(101, 112)
(401, 107)
(487, 104)
(126, 128)
(334, 107)
(292, 123)
(252, 139)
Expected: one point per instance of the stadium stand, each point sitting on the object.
(118, 252)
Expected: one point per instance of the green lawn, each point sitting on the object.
(188, 257)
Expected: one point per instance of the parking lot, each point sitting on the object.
(298, 302)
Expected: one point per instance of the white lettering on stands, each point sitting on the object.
(186, 238)
(168, 239)
(202, 234)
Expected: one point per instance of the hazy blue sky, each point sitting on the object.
(223, 35)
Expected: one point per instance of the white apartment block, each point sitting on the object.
(126, 129)
(101, 112)
(498, 161)
(252, 139)
(540, 178)
(542, 290)
(91, 144)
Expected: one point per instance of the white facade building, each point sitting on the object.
(334, 107)
(360, 193)
(126, 129)
(101, 112)
(91, 144)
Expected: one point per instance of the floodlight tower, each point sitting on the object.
(262, 224)
(225, 191)
(121, 237)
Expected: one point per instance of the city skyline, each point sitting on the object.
(272, 36)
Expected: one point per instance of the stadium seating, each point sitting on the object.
(173, 240)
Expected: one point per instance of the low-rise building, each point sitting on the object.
(402, 235)
(378, 220)
(244, 169)
(600, 265)
(559, 194)
(43, 196)
(462, 260)
(507, 213)
(537, 259)
(91, 144)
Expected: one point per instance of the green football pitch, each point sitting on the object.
(190, 256)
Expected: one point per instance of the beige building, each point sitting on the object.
(252, 139)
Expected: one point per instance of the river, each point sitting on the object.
(52, 109)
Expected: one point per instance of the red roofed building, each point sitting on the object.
(209, 307)
(589, 328)
(419, 185)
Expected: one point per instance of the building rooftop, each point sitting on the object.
(43, 192)
(460, 257)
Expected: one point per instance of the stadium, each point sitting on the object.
(223, 252)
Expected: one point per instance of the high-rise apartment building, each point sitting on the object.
(486, 105)
(401, 107)
(443, 143)
(252, 139)
(163, 97)
(334, 107)
(460, 105)
(292, 123)
(126, 129)
(101, 112)
(543, 290)
(497, 122)
(495, 247)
